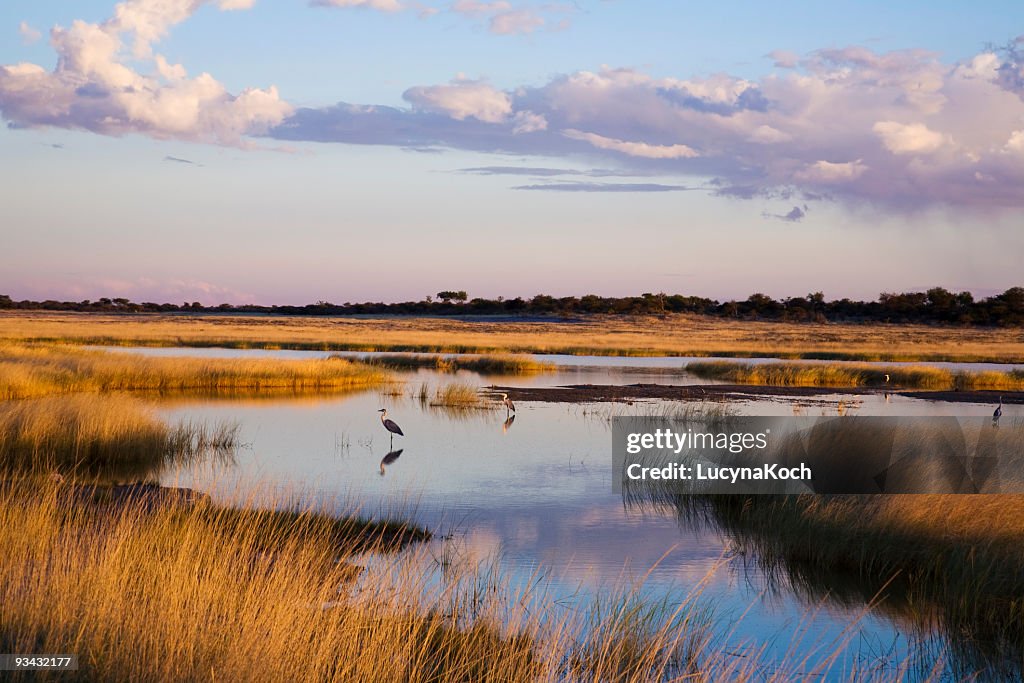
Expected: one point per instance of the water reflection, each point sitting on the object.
(390, 458)
(540, 496)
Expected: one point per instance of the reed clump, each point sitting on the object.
(458, 396)
(502, 364)
(31, 370)
(89, 432)
(853, 375)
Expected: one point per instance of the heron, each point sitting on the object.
(887, 379)
(998, 413)
(389, 458)
(389, 424)
(509, 405)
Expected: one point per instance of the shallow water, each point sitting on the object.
(535, 495)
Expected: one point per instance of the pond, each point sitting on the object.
(534, 495)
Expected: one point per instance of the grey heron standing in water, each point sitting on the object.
(509, 406)
(389, 424)
(998, 413)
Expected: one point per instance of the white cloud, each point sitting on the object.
(528, 122)
(476, 8)
(381, 5)
(502, 17)
(463, 99)
(29, 35)
(784, 59)
(766, 135)
(829, 172)
(1016, 142)
(506, 19)
(96, 87)
(516, 22)
(634, 149)
(914, 138)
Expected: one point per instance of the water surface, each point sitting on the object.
(534, 494)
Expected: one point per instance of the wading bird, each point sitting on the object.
(887, 379)
(509, 406)
(998, 411)
(389, 424)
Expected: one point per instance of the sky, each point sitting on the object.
(285, 152)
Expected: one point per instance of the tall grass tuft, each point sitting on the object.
(458, 396)
(89, 432)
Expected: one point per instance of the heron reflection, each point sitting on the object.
(508, 423)
(389, 458)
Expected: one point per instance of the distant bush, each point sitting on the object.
(936, 305)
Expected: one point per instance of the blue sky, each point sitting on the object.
(508, 148)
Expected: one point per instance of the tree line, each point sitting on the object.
(936, 305)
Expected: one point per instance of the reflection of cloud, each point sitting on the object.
(598, 544)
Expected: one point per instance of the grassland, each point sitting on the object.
(32, 370)
(852, 375)
(673, 335)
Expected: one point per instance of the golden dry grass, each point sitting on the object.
(458, 396)
(28, 370)
(852, 375)
(179, 592)
(74, 433)
(676, 335)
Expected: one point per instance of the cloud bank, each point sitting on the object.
(97, 87)
(898, 129)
